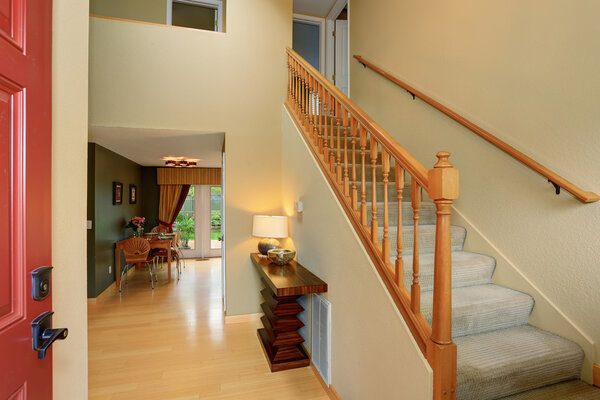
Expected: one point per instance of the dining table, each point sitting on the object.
(156, 242)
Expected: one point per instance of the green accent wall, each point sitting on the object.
(108, 220)
(151, 197)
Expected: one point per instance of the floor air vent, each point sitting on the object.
(321, 336)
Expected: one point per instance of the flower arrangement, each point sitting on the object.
(137, 224)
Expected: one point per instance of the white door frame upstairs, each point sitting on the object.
(329, 39)
(215, 4)
(320, 22)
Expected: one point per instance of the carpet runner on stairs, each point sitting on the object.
(500, 356)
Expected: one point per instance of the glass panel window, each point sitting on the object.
(215, 217)
(186, 221)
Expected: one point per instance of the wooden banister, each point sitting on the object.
(416, 168)
(557, 180)
(332, 125)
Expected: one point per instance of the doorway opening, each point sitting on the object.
(323, 39)
(200, 222)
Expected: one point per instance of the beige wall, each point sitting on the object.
(69, 180)
(528, 72)
(175, 78)
(139, 10)
(374, 355)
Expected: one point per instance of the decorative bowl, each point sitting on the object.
(281, 256)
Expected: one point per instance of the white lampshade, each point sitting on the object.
(268, 226)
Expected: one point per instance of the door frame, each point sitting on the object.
(330, 39)
(320, 22)
(202, 202)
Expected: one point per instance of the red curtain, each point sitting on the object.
(172, 198)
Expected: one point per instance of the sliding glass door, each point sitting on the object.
(200, 222)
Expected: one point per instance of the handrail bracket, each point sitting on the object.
(556, 186)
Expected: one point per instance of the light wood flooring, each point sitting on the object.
(172, 343)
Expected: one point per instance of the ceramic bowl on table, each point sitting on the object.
(281, 256)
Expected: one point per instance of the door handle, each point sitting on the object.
(43, 335)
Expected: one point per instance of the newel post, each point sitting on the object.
(441, 351)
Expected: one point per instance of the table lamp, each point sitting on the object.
(269, 228)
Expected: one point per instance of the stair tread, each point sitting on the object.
(571, 390)
(504, 362)
(468, 269)
(483, 308)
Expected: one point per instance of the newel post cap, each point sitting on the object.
(443, 179)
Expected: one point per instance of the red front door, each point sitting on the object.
(25, 213)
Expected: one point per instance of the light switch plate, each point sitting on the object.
(89, 224)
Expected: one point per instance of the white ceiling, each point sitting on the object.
(313, 7)
(147, 147)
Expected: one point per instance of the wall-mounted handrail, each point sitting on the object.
(558, 181)
(366, 170)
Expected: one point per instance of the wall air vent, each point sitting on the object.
(321, 336)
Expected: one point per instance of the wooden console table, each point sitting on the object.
(279, 338)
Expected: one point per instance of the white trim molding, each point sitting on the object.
(217, 5)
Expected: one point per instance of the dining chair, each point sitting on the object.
(160, 229)
(176, 254)
(137, 250)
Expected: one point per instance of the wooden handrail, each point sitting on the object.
(554, 178)
(413, 165)
(357, 156)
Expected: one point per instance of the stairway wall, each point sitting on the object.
(152, 76)
(527, 72)
(373, 353)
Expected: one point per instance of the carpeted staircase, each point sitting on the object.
(500, 356)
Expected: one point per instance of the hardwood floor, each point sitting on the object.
(172, 343)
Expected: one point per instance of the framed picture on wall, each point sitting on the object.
(117, 193)
(132, 194)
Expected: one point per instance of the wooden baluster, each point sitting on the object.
(374, 153)
(301, 96)
(338, 121)
(346, 179)
(315, 98)
(332, 137)
(399, 173)
(415, 289)
(363, 191)
(325, 148)
(296, 89)
(441, 351)
(309, 103)
(320, 141)
(304, 97)
(354, 191)
(385, 242)
(289, 80)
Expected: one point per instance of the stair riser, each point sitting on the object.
(497, 364)
(426, 239)
(392, 194)
(426, 214)
(482, 309)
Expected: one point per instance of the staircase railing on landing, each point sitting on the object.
(351, 148)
